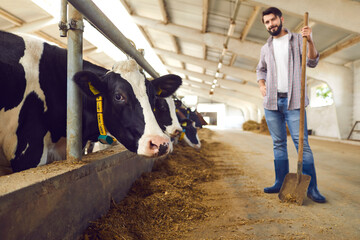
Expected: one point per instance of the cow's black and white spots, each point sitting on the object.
(189, 131)
(33, 103)
(165, 114)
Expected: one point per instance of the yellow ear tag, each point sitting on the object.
(159, 92)
(93, 89)
(184, 124)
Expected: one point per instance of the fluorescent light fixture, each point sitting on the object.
(217, 74)
(231, 28)
(215, 81)
(219, 65)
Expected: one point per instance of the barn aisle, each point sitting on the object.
(249, 211)
(217, 193)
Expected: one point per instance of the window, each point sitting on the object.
(321, 95)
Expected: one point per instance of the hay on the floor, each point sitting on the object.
(162, 203)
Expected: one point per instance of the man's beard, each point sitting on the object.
(277, 31)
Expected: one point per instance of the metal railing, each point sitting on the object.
(103, 24)
(74, 27)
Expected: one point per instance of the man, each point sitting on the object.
(279, 79)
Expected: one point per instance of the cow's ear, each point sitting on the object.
(166, 85)
(89, 83)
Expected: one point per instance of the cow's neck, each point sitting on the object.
(90, 124)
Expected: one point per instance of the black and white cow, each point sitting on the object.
(192, 115)
(189, 131)
(165, 114)
(33, 104)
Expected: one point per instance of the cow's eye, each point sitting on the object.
(119, 97)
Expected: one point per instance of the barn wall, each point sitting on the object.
(340, 79)
(234, 117)
(61, 206)
(318, 120)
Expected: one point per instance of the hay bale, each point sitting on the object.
(251, 125)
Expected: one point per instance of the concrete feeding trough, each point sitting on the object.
(58, 200)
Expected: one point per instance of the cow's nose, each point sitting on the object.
(197, 146)
(156, 146)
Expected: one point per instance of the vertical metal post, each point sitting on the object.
(63, 18)
(74, 103)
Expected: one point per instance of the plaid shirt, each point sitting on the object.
(266, 70)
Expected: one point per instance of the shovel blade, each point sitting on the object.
(292, 190)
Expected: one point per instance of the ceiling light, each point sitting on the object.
(231, 28)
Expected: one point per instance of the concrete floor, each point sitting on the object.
(338, 174)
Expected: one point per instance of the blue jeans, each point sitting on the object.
(276, 120)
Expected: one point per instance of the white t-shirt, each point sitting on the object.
(281, 53)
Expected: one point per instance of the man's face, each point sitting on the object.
(273, 24)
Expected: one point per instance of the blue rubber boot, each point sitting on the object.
(281, 169)
(313, 192)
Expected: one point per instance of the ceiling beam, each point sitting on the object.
(205, 14)
(250, 22)
(49, 38)
(164, 15)
(337, 13)
(214, 40)
(33, 26)
(298, 28)
(127, 7)
(10, 17)
(340, 46)
(245, 89)
(226, 92)
(228, 70)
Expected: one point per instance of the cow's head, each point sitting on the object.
(128, 103)
(165, 114)
(189, 134)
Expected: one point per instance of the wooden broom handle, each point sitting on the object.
(302, 99)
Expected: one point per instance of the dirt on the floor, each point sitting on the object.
(214, 193)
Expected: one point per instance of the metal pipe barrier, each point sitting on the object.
(103, 24)
(74, 103)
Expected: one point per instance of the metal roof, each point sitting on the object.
(189, 37)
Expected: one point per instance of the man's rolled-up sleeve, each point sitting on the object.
(313, 62)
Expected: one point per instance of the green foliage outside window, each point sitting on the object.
(324, 92)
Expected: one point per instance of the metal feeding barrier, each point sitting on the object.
(73, 28)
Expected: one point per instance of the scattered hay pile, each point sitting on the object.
(251, 125)
(261, 127)
(256, 127)
(162, 204)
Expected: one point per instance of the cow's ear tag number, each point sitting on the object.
(103, 137)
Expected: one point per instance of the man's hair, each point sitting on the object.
(271, 10)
